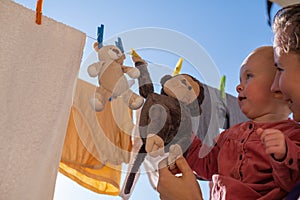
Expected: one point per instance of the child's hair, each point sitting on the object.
(287, 24)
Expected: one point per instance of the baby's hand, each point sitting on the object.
(274, 142)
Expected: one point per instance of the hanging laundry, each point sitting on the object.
(106, 134)
(97, 143)
(81, 166)
(39, 66)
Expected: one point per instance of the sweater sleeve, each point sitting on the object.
(287, 171)
(203, 159)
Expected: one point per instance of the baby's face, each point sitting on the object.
(255, 98)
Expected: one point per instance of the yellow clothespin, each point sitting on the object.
(178, 67)
(38, 18)
(134, 53)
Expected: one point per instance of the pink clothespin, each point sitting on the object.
(39, 5)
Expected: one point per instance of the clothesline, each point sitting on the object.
(90, 37)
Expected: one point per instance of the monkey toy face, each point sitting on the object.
(184, 88)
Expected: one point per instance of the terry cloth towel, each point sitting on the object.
(38, 70)
(97, 143)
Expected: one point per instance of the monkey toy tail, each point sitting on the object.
(135, 168)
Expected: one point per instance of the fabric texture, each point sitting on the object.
(82, 167)
(38, 70)
(106, 134)
(96, 144)
(294, 193)
(239, 166)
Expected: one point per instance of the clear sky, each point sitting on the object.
(226, 30)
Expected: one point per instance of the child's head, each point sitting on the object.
(287, 56)
(255, 98)
(286, 27)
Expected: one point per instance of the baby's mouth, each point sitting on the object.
(241, 98)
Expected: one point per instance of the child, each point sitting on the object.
(286, 28)
(251, 160)
(287, 54)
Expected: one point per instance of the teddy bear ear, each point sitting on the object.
(96, 46)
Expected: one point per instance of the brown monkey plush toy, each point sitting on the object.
(166, 119)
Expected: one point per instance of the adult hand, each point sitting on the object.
(274, 142)
(178, 187)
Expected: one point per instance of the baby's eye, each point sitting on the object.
(248, 76)
(183, 81)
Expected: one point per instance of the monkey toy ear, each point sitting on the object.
(165, 79)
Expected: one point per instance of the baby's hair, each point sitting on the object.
(287, 25)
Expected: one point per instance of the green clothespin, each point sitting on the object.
(222, 86)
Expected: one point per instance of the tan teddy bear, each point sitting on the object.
(112, 81)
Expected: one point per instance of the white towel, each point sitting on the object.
(38, 70)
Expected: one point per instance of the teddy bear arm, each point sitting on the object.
(131, 71)
(125, 68)
(94, 69)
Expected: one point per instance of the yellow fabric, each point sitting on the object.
(96, 143)
(99, 185)
(101, 181)
(74, 151)
(106, 134)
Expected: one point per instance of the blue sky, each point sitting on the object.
(226, 30)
